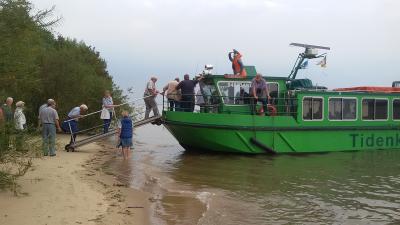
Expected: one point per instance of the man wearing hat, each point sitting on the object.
(150, 95)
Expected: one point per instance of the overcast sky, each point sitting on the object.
(169, 38)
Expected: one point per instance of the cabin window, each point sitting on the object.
(235, 92)
(273, 89)
(209, 93)
(396, 109)
(374, 109)
(342, 109)
(238, 92)
(312, 108)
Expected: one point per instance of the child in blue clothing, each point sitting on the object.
(125, 129)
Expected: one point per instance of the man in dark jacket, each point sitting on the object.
(187, 90)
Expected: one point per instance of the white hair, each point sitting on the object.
(84, 107)
(50, 101)
(20, 104)
(10, 99)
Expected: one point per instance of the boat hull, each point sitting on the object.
(238, 133)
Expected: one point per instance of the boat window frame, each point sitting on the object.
(222, 97)
(394, 99)
(323, 110)
(387, 108)
(355, 98)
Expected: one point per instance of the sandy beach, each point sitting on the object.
(71, 188)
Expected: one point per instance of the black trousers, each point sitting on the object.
(187, 103)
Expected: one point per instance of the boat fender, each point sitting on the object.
(272, 110)
(263, 146)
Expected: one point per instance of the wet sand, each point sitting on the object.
(71, 188)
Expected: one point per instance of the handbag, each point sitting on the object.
(105, 114)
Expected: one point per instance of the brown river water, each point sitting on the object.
(207, 189)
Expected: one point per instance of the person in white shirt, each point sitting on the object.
(109, 105)
(19, 116)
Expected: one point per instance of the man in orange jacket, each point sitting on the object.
(237, 64)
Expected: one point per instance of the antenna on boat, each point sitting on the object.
(311, 52)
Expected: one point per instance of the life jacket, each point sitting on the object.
(237, 67)
(126, 128)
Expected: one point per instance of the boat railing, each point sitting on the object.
(231, 105)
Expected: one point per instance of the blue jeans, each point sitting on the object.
(107, 123)
(49, 139)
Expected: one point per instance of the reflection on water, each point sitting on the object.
(334, 188)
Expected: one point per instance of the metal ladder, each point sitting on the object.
(77, 143)
(88, 140)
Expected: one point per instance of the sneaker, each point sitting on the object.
(52, 155)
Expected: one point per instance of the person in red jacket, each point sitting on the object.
(237, 64)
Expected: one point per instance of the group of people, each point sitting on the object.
(180, 94)
(13, 117)
(50, 124)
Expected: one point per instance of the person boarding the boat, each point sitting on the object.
(71, 125)
(108, 109)
(150, 95)
(260, 93)
(187, 90)
(237, 65)
(173, 95)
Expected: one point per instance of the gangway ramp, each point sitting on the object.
(88, 140)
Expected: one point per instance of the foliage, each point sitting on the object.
(35, 65)
(16, 153)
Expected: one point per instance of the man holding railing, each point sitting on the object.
(260, 93)
(150, 95)
(173, 95)
(187, 90)
(71, 125)
(108, 105)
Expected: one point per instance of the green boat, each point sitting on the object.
(305, 118)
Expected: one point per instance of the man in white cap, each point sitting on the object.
(71, 125)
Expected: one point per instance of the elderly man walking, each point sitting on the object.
(50, 122)
(150, 95)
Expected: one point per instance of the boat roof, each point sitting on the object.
(370, 89)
